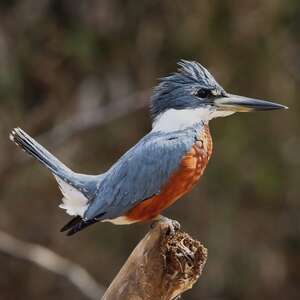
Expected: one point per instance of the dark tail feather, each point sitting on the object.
(31, 146)
(71, 223)
(81, 225)
(77, 224)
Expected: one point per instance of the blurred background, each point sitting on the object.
(77, 75)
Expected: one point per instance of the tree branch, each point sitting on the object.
(165, 264)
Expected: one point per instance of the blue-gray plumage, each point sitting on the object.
(141, 172)
(164, 165)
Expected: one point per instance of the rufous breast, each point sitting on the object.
(182, 181)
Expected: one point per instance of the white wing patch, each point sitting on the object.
(74, 202)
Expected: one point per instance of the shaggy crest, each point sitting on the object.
(175, 90)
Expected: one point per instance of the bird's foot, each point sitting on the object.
(173, 225)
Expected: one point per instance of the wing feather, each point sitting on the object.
(140, 173)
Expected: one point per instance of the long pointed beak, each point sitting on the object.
(237, 103)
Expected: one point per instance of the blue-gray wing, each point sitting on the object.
(140, 173)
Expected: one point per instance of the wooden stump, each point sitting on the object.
(165, 264)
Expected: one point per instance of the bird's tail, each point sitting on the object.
(32, 147)
(77, 189)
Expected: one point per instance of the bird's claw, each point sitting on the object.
(173, 225)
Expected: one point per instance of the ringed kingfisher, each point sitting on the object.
(163, 166)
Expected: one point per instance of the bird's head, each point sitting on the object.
(192, 95)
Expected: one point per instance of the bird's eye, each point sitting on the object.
(203, 93)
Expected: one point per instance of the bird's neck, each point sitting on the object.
(180, 119)
(174, 120)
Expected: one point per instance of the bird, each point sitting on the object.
(163, 166)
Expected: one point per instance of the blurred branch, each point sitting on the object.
(88, 119)
(52, 262)
(165, 264)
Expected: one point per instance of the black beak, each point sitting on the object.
(237, 103)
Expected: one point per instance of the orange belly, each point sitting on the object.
(191, 169)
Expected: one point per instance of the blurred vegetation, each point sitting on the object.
(59, 58)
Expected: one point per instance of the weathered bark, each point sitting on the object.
(165, 264)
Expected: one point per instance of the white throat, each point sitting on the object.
(178, 119)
